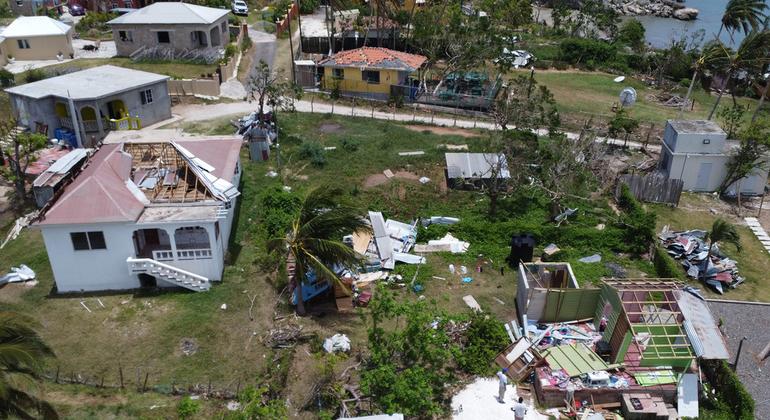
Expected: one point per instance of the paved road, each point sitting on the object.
(263, 49)
(201, 112)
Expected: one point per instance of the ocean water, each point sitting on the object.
(660, 32)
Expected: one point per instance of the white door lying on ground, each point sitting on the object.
(704, 174)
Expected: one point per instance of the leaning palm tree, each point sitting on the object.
(314, 240)
(751, 55)
(22, 352)
(711, 54)
(743, 15)
(721, 231)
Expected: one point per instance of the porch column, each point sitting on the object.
(99, 120)
(75, 120)
(206, 42)
(171, 241)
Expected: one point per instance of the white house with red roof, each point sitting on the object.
(145, 214)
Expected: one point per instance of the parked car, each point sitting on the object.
(76, 9)
(240, 8)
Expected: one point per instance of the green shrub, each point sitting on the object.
(314, 152)
(94, 22)
(187, 408)
(350, 145)
(246, 43)
(638, 224)
(34, 75)
(7, 79)
(666, 266)
(631, 33)
(729, 388)
(560, 65)
(484, 338)
(307, 7)
(277, 212)
(582, 50)
(543, 64)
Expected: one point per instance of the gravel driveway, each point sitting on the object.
(750, 321)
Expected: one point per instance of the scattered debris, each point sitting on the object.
(17, 275)
(454, 146)
(424, 180)
(414, 153)
(337, 343)
(691, 249)
(223, 307)
(20, 224)
(471, 302)
(233, 406)
(439, 220)
(551, 249)
(188, 346)
(446, 244)
(283, 337)
(83, 304)
(271, 174)
(616, 270)
(563, 216)
(388, 173)
(591, 259)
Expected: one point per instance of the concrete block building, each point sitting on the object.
(698, 152)
(92, 102)
(37, 38)
(176, 26)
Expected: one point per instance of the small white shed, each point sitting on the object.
(698, 152)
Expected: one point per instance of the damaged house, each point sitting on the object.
(474, 170)
(144, 214)
(632, 343)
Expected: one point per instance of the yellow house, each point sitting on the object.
(37, 38)
(369, 71)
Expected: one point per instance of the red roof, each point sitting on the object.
(44, 159)
(101, 192)
(378, 58)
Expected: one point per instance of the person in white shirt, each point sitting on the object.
(503, 383)
(519, 409)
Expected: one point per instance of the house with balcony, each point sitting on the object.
(145, 214)
(86, 105)
(174, 26)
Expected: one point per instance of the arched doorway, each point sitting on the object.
(61, 110)
(214, 37)
(87, 113)
(153, 243)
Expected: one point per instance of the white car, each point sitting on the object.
(240, 8)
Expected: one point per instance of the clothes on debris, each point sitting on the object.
(691, 249)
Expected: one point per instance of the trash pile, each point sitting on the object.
(691, 249)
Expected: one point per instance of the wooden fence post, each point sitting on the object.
(144, 385)
(312, 99)
(120, 371)
(56, 380)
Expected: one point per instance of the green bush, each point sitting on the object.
(543, 64)
(187, 408)
(230, 51)
(581, 50)
(631, 33)
(7, 79)
(314, 152)
(729, 388)
(94, 21)
(484, 339)
(350, 145)
(246, 43)
(34, 75)
(278, 209)
(638, 224)
(560, 65)
(307, 7)
(666, 266)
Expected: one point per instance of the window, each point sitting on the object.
(20, 2)
(84, 241)
(126, 36)
(338, 74)
(164, 37)
(23, 44)
(146, 96)
(128, 4)
(370, 76)
(224, 27)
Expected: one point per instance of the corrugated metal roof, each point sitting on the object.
(374, 58)
(476, 165)
(704, 334)
(575, 360)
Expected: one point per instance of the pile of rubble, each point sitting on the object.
(692, 250)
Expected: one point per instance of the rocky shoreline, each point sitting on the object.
(660, 8)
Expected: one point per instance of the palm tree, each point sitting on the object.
(750, 56)
(744, 15)
(710, 54)
(22, 352)
(721, 231)
(314, 240)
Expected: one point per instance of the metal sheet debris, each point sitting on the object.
(337, 343)
(591, 259)
(17, 275)
(691, 250)
(471, 302)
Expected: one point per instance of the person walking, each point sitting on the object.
(503, 383)
(519, 409)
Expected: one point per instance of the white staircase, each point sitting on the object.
(167, 273)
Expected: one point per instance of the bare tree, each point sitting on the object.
(272, 88)
(19, 149)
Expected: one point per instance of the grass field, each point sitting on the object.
(173, 69)
(144, 333)
(585, 94)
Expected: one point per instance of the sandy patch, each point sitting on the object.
(478, 400)
(444, 131)
(379, 179)
(330, 128)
